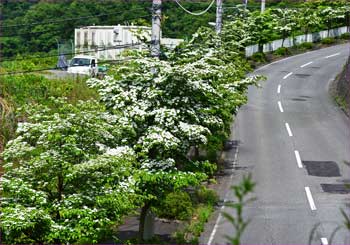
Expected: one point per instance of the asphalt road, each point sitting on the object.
(292, 116)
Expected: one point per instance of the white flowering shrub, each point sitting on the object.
(331, 15)
(180, 102)
(65, 180)
(246, 28)
(286, 22)
(176, 104)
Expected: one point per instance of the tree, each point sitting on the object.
(346, 11)
(308, 20)
(65, 180)
(330, 15)
(286, 24)
(261, 26)
(191, 97)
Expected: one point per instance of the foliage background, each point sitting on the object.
(176, 24)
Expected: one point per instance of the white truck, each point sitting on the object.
(85, 65)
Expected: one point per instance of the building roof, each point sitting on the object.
(112, 27)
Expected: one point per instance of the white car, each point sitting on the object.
(83, 64)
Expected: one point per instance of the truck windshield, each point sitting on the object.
(80, 62)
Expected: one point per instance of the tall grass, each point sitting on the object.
(7, 122)
(19, 90)
(29, 88)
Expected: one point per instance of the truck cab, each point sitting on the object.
(83, 64)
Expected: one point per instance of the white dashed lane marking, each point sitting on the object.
(306, 64)
(288, 75)
(324, 241)
(279, 89)
(280, 106)
(297, 156)
(330, 56)
(289, 130)
(310, 198)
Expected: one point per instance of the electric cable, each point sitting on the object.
(192, 13)
(25, 33)
(67, 19)
(73, 53)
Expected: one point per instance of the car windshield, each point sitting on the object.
(80, 62)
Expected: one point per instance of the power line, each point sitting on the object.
(67, 19)
(25, 33)
(199, 13)
(75, 53)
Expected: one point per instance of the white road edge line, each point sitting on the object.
(279, 89)
(310, 199)
(330, 56)
(280, 106)
(223, 206)
(215, 228)
(324, 241)
(289, 130)
(297, 156)
(288, 75)
(302, 66)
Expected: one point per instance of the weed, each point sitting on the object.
(259, 57)
(345, 36)
(192, 231)
(341, 102)
(241, 191)
(282, 51)
(328, 40)
(307, 45)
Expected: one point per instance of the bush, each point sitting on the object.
(213, 147)
(306, 45)
(328, 40)
(205, 195)
(282, 51)
(345, 36)
(201, 166)
(176, 205)
(259, 57)
(190, 234)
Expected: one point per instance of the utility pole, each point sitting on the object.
(155, 39)
(245, 4)
(262, 6)
(218, 16)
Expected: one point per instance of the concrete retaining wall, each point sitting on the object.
(289, 42)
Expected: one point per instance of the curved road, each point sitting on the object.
(296, 143)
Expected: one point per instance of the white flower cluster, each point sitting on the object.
(195, 133)
(158, 137)
(155, 165)
(120, 151)
(166, 117)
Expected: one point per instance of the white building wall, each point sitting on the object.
(102, 42)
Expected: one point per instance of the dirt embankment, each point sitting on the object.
(340, 89)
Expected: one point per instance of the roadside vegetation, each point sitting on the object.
(75, 168)
(81, 155)
(340, 89)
